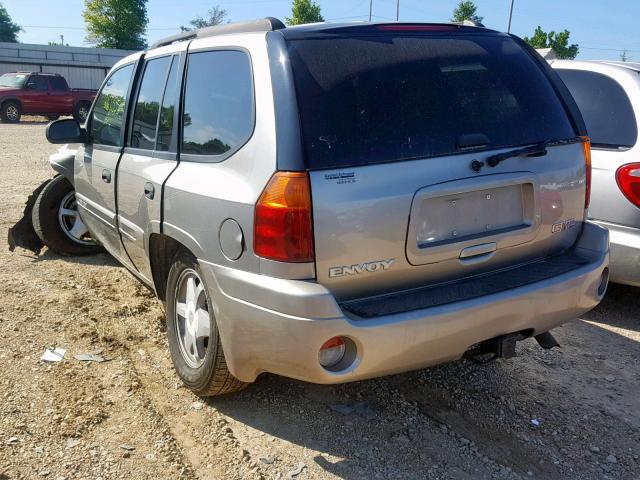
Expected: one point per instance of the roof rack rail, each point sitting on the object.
(267, 24)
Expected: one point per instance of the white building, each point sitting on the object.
(82, 67)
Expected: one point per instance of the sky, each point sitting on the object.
(603, 29)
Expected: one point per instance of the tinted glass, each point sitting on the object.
(37, 82)
(390, 97)
(218, 104)
(165, 127)
(58, 84)
(145, 117)
(108, 113)
(605, 107)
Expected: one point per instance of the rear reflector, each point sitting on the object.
(628, 178)
(331, 352)
(586, 147)
(282, 224)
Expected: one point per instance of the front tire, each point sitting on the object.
(10, 112)
(57, 222)
(194, 339)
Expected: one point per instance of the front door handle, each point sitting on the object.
(106, 176)
(149, 190)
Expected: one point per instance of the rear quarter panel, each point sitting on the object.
(199, 196)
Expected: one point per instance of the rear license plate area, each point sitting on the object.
(471, 215)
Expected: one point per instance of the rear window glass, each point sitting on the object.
(58, 84)
(374, 99)
(218, 103)
(605, 107)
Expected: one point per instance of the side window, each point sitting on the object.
(36, 82)
(58, 84)
(108, 113)
(145, 118)
(218, 104)
(605, 107)
(165, 126)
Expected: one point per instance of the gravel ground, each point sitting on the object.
(570, 413)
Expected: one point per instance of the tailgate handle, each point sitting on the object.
(477, 250)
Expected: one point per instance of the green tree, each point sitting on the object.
(558, 41)
(8, 29)
(304, 11)
(116, 23)
(466, 10)
(215, 16)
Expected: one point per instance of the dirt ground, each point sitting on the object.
(570, 413)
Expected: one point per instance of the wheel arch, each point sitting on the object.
(81, 101)
(162, 251)
(12, 99)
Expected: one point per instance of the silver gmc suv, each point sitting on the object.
(334, 202)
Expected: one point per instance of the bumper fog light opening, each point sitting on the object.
(332, 352)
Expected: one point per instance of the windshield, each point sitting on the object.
(372, 99)
(15, 80)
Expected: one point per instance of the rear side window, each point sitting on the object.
(145, 118)
(605, 107)
(58, 84)
(218, 103)
(165, 125)
(108, 111)
(37, 82)
(381, 98)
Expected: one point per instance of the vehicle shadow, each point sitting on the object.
(619, 308)
(98, 259)
(448, 415)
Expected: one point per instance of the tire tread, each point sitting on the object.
(220, 380)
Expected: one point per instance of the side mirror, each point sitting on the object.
(66, 131)
(30, 86)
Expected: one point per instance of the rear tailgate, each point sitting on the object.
(403, 225)
(392, 123)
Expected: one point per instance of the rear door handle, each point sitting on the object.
(106, 176)
(149, 190)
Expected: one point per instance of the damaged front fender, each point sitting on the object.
(22, 234)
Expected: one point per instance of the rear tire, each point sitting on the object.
(81, 112)
(194, 339)
(10, 112)
(56, 221)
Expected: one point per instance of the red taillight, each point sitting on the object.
(586, 148)
(409, 27)
(282, 225)
(628, 178)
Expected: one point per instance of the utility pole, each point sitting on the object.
(62, 40)
(397, 10)
(510, 15)
(370, 9)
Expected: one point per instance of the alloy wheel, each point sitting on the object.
(192, 318)
(70, 221)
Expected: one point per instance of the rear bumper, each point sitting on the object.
(625, 253)
(274, 325)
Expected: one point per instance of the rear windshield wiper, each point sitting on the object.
(537, 150)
